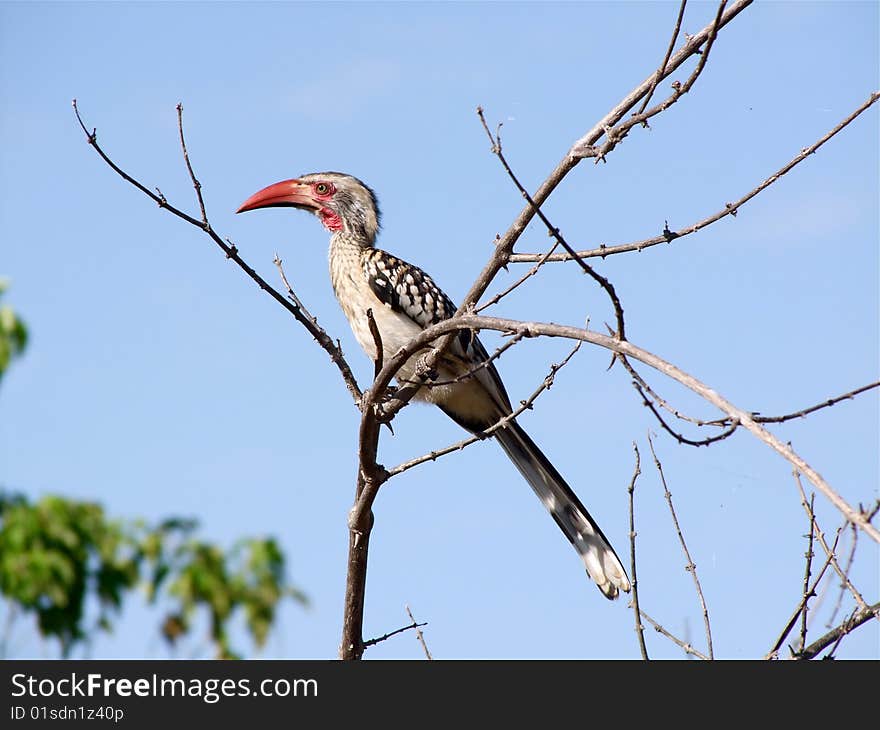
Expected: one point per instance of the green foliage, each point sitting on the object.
(13, 333)
(57, 553)
(200, 575)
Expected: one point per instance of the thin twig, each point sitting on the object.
(820, 536)
(691, 566)
(662, 69)
(410, 627)
(849, 562)
(809, 561)
(553, 230)
(819, 406)
(524, 405)
(802, 603)
(530, 273)
(730, 427)
(640, 629)
(196, 184)
(419, 634)
(681, 438)
(688, 648)
(294, 299)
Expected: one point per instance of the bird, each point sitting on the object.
(403, 301)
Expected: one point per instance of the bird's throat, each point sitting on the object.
(330, 219)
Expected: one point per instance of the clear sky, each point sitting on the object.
(160, 381)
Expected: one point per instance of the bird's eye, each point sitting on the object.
(324, 188)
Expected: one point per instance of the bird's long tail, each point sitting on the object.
(602, 563)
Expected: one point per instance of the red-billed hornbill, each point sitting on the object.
(405, 300)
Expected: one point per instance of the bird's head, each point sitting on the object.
(342, 202)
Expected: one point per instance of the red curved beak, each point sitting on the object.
(287, 193)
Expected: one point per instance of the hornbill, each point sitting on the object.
(404, 300)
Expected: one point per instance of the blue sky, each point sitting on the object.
(160, 381)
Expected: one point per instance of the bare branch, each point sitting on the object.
(661, 70)
(360, 526)
(640, 629)
(849, 561)
(504, 245)
(688, 649)
(321, 336)
(809, 559)
(622, 347)
(691, 566)
(642, 388)
(858, 618)
(584, 146)
(675, 434)
(409, 627)
(196, 184)
(419, 634)
(819, 406)
(668, 236)
(530, 273)
(801, 607)
(832, 555)
(553, 230)
(616, 134)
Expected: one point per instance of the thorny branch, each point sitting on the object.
(667, 236)
(553, 230)
(660, 71)
(819, 406)
(640, 629)
(690, 567)
(623, 347)
(858, 617)
(504, 244)
(414, 625)
(419, 634)
(616, 134)
(831, 554)
(476, 367)
(729, 426)
(688, 648)
(809, 559)
(192, 176)
(801, 607)
(641, 385)
(849, 563)
(231, 251)
(530, 273)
